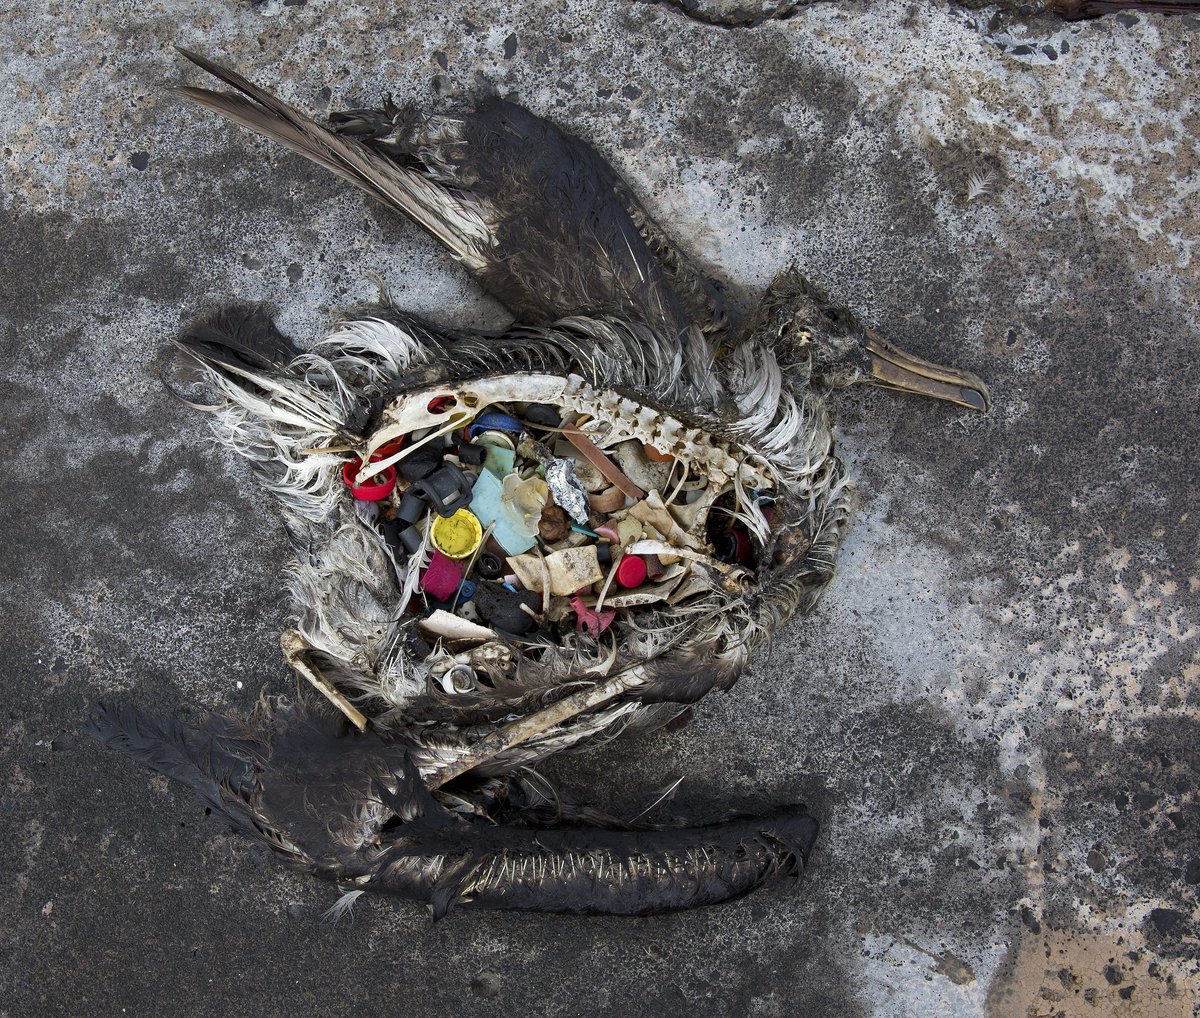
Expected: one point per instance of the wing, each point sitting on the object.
(547, 226)
(452, 218)
(353, 808)
(571, 237)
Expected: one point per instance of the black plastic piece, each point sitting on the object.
(472, 455)
(543, 414)
(604, 554)
(411, 540)
(733, 546)
(489, 566)
(447, 489)
(421, 463)
(412, 507)
(391, 534)
(501, 607)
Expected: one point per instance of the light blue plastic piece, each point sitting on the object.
(490, 507)
(499, 461)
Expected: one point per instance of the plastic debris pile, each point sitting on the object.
(521, 529)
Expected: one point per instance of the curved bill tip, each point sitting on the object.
(892, 368)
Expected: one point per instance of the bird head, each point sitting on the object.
(826, 345)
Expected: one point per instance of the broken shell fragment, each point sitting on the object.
(644, 472)
(629, 530)
(593, 454)
(651, 512)
(451, 627)
(585, 472)
(607, 501)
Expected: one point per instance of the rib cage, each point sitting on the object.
(346, 591)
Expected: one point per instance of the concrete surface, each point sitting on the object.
(995, 710)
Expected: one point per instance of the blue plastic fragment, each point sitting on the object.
(494, 421)
(584, 530)
(488, 504)
(499, 461)
(466, 591)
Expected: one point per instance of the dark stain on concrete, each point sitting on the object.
(138, 562)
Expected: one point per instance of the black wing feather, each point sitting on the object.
(352, 807)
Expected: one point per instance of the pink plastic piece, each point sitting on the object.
(592, 621)
(442, 578)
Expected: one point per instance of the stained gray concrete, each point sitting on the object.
(994, 711)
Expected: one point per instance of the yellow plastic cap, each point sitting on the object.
(457, 536)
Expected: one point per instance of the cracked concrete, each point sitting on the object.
(995, 709)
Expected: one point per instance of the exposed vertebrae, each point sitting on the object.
(606, 417)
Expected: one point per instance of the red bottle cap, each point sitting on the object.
(631, 571)
(376, 489)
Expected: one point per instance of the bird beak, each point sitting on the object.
(891, 368)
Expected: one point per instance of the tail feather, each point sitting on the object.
(165, 745)
(451, 218)
(242, 337)
(353, 807)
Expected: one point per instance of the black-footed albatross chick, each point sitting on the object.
(515, 543)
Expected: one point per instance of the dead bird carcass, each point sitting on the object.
(517, 543)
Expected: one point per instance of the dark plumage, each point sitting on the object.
(545, 200)
(615, 326)
(556, 202)
(352, 807)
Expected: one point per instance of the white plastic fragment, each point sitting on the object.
(449, 626)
